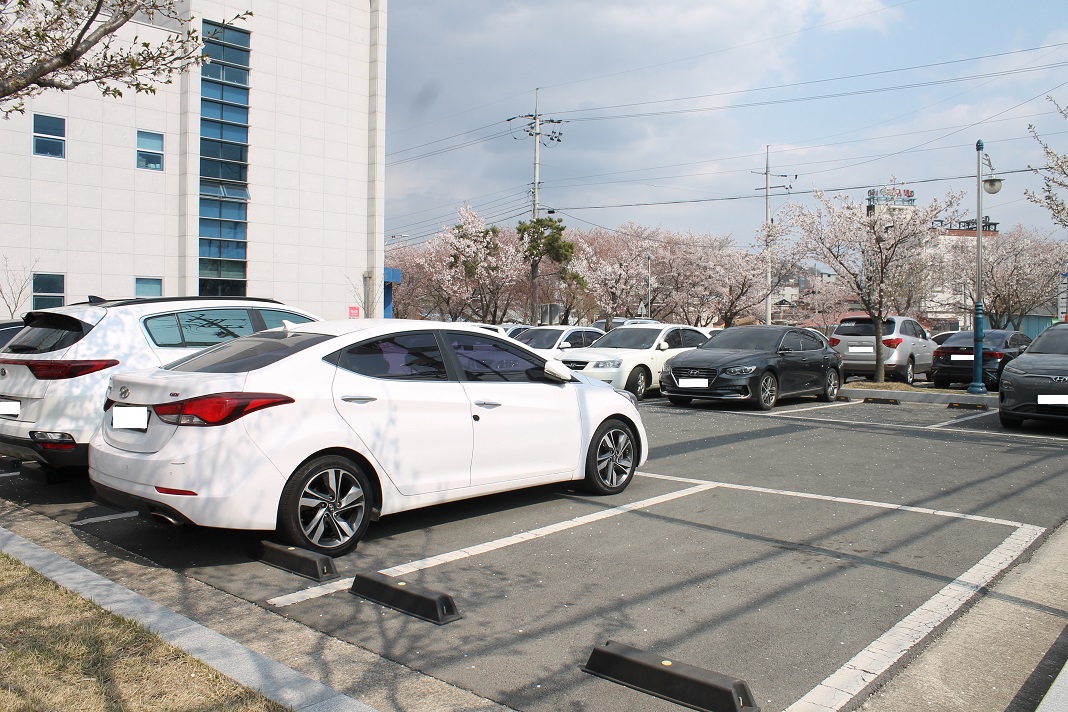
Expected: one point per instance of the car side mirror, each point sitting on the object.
(1023, 347)
(565, 345)
(662, 346)
(557, 371)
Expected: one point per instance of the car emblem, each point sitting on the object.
(1060, 379)
(124, 392)
(694, 372)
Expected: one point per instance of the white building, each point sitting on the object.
(259, 174)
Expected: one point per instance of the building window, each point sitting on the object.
(48, 290)
(49, 134)
(150, 150)
(148, 287)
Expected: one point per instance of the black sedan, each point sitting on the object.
(953, 360)
(1035, 385)
(755, 364)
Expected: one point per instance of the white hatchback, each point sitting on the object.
(54, 372)
(554, 341)
(318, 429)
(628, 356)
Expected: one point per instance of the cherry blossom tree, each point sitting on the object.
(64, 44)
(824, 300)
(1054, 176)
(613, 267)
(873, 253)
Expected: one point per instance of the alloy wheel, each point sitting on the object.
(615, 457)
(332, 507)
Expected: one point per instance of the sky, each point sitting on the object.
(666, 112)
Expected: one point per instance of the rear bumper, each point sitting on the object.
(26, 449)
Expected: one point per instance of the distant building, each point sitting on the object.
(260, 174)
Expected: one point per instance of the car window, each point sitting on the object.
(273, 317)
(1050, 341)
(791, 342)
(44, 333)
(691, 337)
(406, 357)
(539, 338)
(483, 359)
(862, 327)
(1024, 339)
(199, 328)
(745, 338)
(810, 342)
(637, 338)
(673, 339)
(247, 354)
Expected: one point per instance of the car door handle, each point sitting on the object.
(358, 399)
(487, 404)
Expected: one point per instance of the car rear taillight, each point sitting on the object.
(993, 354)
(53, 441)
(169, 490)
(216, 409)
(834, 342)
(59, 370)
(939, 353)
(892, 343)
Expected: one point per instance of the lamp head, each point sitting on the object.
(992, 185)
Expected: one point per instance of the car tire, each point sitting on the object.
(612, 458)
(679, 400)
(767, 391)
(326, 506)
(908, 376)
(1009, 421)
(638, 382)
(830, 387)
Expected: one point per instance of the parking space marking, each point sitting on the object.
(429, 562)
(851, 679)
(958, 420)
(902, 426)
(104, 518)
(10, 474)
(828, 405)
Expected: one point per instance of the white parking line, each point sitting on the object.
(902, 426)
(817, 407)
(851, 679)
(10, 474)
(104, 518)
(342, 584)
(958, 420)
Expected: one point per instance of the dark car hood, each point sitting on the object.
(717, 358)
(1045, 364)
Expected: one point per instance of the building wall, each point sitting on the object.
(315, 177)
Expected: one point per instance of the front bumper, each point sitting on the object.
(722, 388)
(1023, 396)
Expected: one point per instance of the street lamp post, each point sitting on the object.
(991, 185)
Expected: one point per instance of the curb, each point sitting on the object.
(270, 678)
(919, 396)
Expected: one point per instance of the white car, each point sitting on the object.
(54, 372)
(318, 429)
(629, 355)
(553, 341)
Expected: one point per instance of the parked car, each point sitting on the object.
(320, 428)
(941, 336)
(54, 372)
(1035, 384)
(554, 341)
(905, 346)
(755, 364)
(8, 329)
(495, 328)
(514, 330)
(954, 359)
(602, 324)
(630, 355)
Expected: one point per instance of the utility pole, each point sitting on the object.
(767, 223)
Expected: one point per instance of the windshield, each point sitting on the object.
(993, 339)
(862, 327)
(247, 353)
(539, 338)
(745, 338)
(1050, 341)
(627, 338)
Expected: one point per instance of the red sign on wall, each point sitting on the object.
(354, 312)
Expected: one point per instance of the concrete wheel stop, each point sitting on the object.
(318, 567)
(410, 598)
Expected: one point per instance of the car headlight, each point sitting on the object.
(739, 370)
(1009, 368)
(614, 363)
(630, 396)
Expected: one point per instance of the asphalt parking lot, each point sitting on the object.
(808, 551)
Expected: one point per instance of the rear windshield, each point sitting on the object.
(995, 339)
(862, 327)
(248, 353)
(45, 333)
(1050, 341)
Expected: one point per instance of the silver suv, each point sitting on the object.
(54, 373)
(907, 350)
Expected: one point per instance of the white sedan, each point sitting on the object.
(318, 429)
(553, 341)
(629, 355)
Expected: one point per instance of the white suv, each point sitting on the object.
(54, 373)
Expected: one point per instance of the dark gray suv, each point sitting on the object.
(907, 350)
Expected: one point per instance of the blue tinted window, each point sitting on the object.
(223, 249)
(226, 132)
(148, 287)
(49, 125)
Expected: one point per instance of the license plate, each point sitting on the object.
(1052, 400)
(861, 349)
(129, 417)
(959, 357)
(10, 408)
(693, 383)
